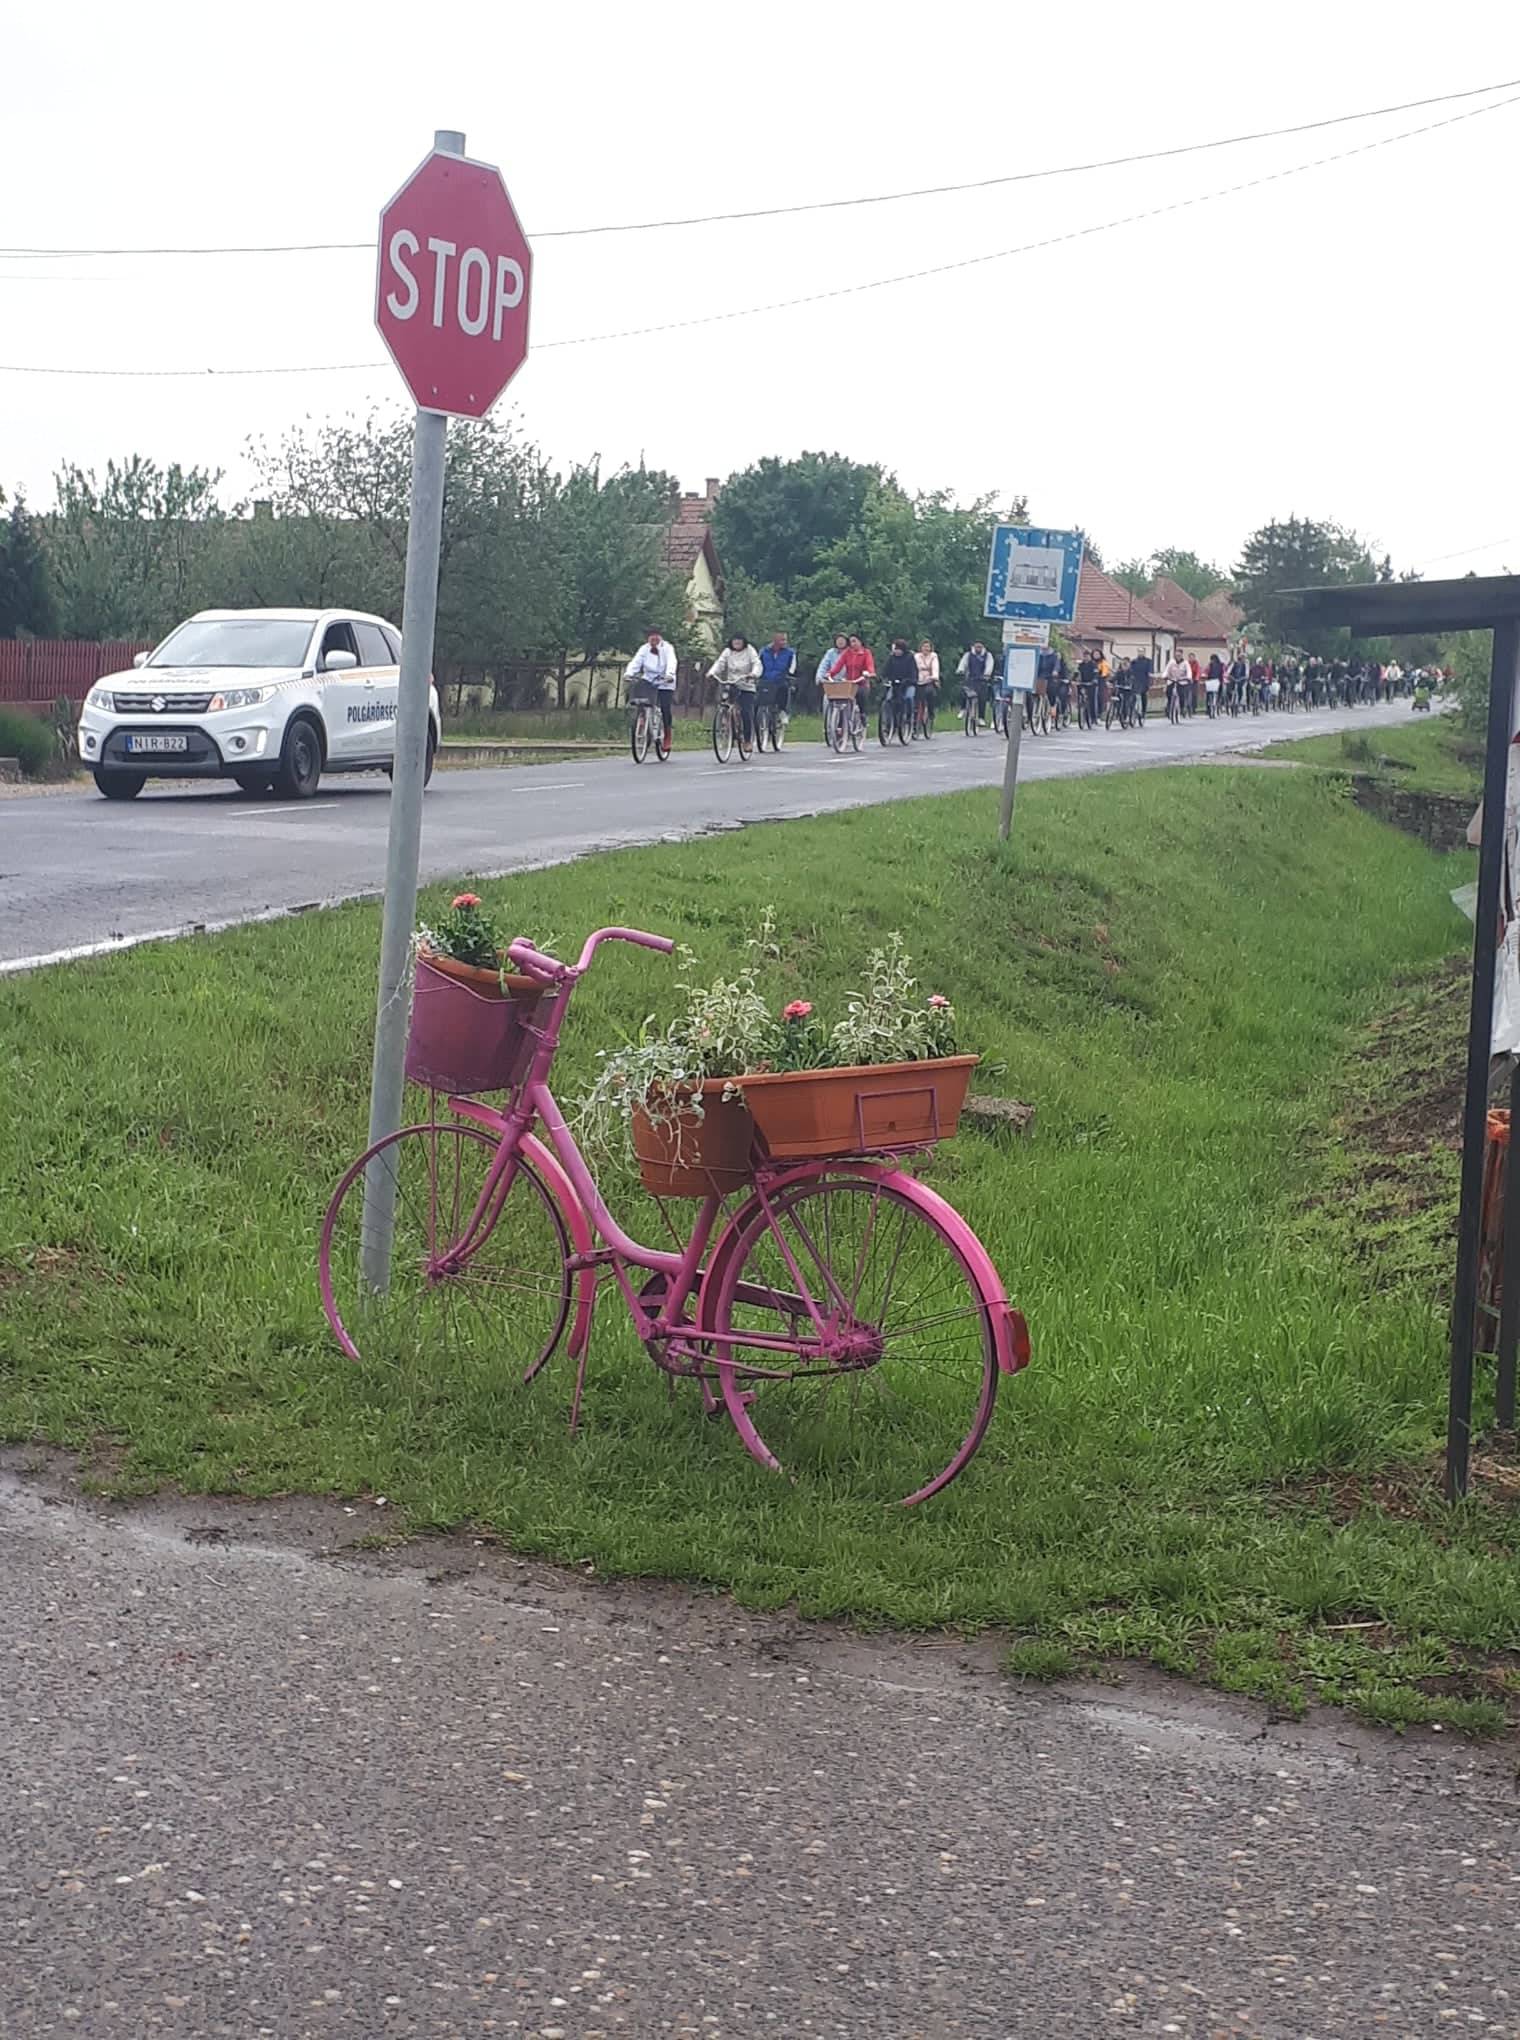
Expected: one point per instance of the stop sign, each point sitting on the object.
(452, 285)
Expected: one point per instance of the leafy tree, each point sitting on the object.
(609, 577)
(772, 521)
(1194, 576)
(1298, 553)
(26, 594)
(129, 552)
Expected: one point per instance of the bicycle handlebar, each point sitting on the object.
(552, 971)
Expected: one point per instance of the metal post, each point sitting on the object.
(1506, 656)
(1015, 712)
(1509, 1272)
(418, 617)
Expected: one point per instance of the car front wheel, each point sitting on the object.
(121, 785)
(300, 762)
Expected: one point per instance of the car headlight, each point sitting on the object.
(100, 697)
(240, 697)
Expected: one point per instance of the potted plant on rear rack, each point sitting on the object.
(886, 1076)
(469, 1025)
(730, 1083)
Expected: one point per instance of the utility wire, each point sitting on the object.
(821, 204)
(841, 290)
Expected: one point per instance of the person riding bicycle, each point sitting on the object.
(1239, 677)
(975, 672)
(654, 663)
(1140, 671)
(738, 669)
(927, 661)
(778, 668)
(1179, 684)
(901, 676)
(856, 665)
(1087, 690)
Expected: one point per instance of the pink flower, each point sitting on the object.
(799, 1009)
(465, 899)
(939, 1002)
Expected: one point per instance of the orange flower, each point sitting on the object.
(465, 899)
(799, 1009)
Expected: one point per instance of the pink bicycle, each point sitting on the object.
(846, 1317)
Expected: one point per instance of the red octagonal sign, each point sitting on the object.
(453, 284)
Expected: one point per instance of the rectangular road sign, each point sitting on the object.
(1032, 574)
(1019, 668)
(1036, 634)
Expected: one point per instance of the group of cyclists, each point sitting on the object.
(755, 689)
(1120, 691)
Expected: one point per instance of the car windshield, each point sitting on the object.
(236, 641)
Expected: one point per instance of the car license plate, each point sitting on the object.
(167, 740)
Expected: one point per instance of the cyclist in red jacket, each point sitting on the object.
(856, 664)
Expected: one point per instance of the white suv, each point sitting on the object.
(272, 698)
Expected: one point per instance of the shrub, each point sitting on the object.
(28, 738)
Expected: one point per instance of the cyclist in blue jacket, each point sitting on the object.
(778, 667)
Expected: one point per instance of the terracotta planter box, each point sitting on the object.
(468, 1030)
(802, 1113)
(697, 1156)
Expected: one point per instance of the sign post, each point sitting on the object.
(451, 303)
(1032, 581)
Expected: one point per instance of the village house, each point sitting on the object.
(1110, 619)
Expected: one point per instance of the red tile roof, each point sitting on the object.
(1216, 617)
(689, 534)
(1104, 606)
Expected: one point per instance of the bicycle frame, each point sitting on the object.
(590, 1218)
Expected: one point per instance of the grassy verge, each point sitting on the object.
(1429, 754)
(1176, 967)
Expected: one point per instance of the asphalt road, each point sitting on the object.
(255, 1791)
(77, 871)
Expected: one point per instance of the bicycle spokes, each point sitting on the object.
(862, 1352)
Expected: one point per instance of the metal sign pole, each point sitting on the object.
(1506, 656)
(1015, 714)
(419, 614)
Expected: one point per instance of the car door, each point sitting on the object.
(382, 680)
(344, 697)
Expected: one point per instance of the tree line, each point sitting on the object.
(546, 573)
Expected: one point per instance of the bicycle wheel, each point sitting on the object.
(968, 715)
(857, 727)
(503, 1303)
(723, 733)
(884, 724)
(761, 719)
(834, 724)
(662, 743)
(891, 1399)
(638, 736)
(745, 739)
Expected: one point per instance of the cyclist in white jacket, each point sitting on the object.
(655, 664)
(739, 666)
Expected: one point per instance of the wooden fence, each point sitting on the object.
(38, 671)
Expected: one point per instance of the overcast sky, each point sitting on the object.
(1340, 343)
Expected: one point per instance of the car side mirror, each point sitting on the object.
(139, 659)
(338, 662)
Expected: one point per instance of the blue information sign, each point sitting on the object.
(1032, 575)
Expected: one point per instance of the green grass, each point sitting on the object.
(1175, 967)
(1440, 758)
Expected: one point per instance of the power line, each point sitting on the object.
(814, 205)
(839, 291)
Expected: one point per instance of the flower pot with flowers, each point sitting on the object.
(884, 1077)
(728, 1085)
(470, 1017)
(669, 1093)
